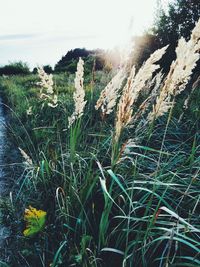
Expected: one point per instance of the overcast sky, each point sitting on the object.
(41, 31)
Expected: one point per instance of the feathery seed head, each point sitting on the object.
(27, 160)
(46, 82)
(132, 89)
(146, 71)
(79, 93)
(180, 72)
(29, 111)
(109, 95)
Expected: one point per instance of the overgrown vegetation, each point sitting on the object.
(113, 194)
(111, 164)
(69, 62)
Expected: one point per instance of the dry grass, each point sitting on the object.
(187, 54)
(79, 94)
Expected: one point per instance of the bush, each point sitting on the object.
(16, 68)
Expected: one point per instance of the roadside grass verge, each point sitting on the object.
(143, 211)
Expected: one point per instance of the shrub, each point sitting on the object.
(16, 68)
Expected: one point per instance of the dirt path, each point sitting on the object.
(8, 175)
(3, 230)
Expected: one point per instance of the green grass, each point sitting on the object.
(142, 211)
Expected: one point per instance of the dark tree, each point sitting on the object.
(16, 68)
(177, 21)
(68, 63)
(34, 70)
(170, 24)
(48, 69)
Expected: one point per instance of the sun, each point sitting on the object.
(121, 21)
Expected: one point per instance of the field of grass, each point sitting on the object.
(130, 200)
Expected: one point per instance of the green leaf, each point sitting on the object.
(35, 221)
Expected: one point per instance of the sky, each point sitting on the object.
(40, 32)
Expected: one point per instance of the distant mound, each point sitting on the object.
(68, 63)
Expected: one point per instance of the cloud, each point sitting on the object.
(8, 37)
(65, 37)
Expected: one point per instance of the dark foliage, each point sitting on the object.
(177, 21)
(17, 68)
(68, 63)
(47, 68)
(143, 48)
(170, 24)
